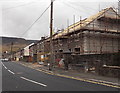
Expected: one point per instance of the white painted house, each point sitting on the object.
(26, 50)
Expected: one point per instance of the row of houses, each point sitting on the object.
(90, 40)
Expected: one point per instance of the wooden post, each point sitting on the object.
(51, 42)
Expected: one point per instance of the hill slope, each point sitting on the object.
(17, 43)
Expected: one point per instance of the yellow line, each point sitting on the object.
(90, 81)
(74, 78)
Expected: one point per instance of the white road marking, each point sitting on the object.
(11, 72)
(33, 81)
(4, 66)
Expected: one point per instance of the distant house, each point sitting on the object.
(26, 52)
(17, 56)
(31, 53)
(39, 50)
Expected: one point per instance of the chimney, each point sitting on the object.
(42, 38)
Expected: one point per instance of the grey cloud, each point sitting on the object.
(17, 20)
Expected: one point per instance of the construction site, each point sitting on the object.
(92, 44)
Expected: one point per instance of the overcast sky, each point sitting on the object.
(18, 15)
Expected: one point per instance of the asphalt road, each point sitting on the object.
(16, 77)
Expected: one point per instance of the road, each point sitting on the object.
(16, 77)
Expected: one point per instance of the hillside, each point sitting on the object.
(17, 43)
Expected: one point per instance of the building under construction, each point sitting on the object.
(94, 42)
(92, 39)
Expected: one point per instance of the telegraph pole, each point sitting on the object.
(51, 42)
(11, 51)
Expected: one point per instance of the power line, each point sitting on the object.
(76, 9)
(36, 20)
(17, 6)
(71, 6)
(77, 4)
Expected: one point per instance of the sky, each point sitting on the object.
(18, 15)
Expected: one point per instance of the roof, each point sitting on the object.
(29, 45)
(83, 23)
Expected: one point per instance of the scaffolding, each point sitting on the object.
(92, 39)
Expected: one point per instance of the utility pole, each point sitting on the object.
(11, 51)
(51, 42)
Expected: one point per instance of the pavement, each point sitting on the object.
(21, 76)
(89, 77)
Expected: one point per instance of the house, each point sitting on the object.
(43, 49)
(39, 50)
(90, 40)
(94, 35)
(26, 53)
(93, 42)
(17, 56)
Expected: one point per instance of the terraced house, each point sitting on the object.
(98, 34)
(93, 41)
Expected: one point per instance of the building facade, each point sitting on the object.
(85, 40)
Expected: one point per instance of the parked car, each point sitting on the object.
(41, 63)
(91, 69)
(4, 60)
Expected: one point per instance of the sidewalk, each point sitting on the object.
(75, 74)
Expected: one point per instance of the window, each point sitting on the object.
(70, 50)
(77, 50)
(60, 50)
